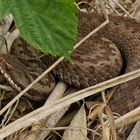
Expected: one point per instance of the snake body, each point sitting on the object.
(96, 60)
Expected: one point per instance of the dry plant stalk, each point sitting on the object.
(122, 8)
(6, 88)
(44, 111)
(39, 128)
(128, 118)
(106, 132)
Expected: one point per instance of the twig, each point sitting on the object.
(11, 113)
(6, 88)
(102, 5)
(103, 97)
(57, 93)
(50, 121)
(128, 118)
(44, 111)
(107, 110)
(112, 8)
(5, 117)
(122, 8)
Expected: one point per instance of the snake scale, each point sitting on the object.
(96, 60)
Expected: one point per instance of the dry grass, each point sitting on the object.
(52, 106)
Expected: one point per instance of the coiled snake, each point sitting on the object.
(96, 60)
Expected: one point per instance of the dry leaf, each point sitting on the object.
(77, 129)
(135, 133)
(136, 12)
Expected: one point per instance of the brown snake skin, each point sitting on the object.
(96, 60)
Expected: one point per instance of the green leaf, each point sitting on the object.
(4, 8)
(48, 25)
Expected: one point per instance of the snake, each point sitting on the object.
(113, 50)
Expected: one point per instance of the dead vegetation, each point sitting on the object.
(64, 115)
